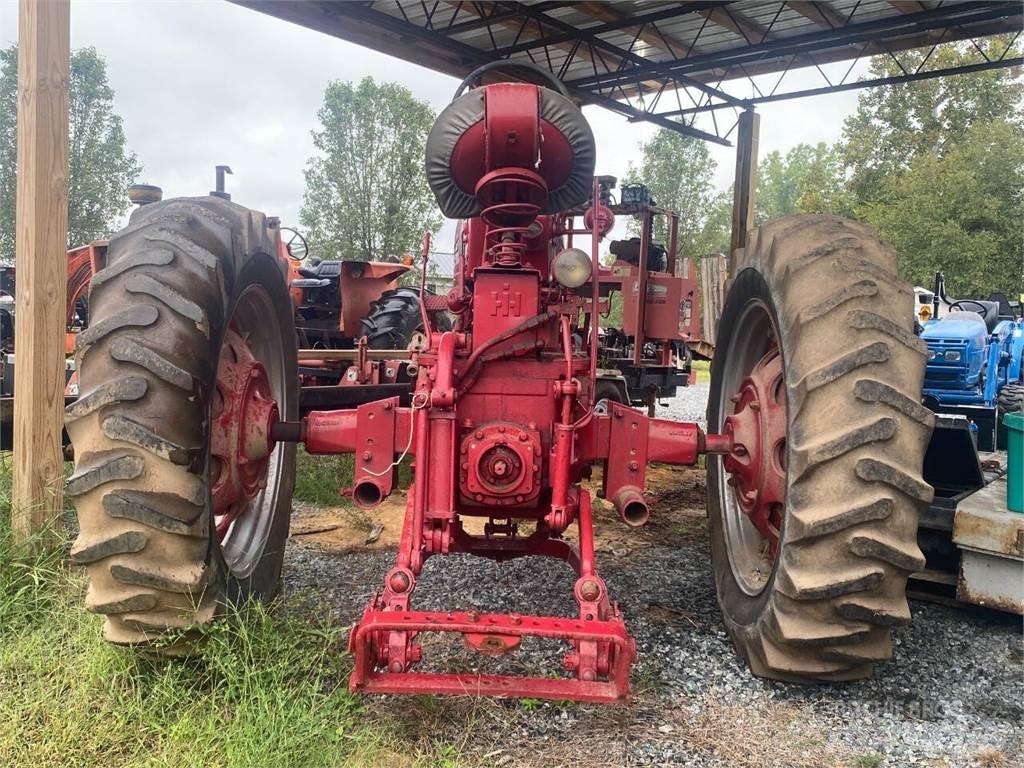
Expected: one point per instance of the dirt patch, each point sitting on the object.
(341, 530)
(676, 496)
(765, 734)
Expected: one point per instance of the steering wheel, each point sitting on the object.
(296, 245)
(981, 309)
(539, 72)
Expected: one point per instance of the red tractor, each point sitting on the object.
(186, 428)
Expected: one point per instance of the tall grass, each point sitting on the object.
(265, 688)
(319, 479)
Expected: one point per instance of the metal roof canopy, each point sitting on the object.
(668, 62)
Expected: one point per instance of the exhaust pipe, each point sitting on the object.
(367, 494)
(631, 506)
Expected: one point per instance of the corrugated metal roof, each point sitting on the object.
(623, 55)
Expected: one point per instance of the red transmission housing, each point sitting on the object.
(503, 423)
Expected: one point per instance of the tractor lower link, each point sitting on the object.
(498, 470)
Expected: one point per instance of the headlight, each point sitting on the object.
(932, 354)
(953, 356)
(572, 267)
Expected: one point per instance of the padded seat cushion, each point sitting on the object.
(455, 157)
(321, 269)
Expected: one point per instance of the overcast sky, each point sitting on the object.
(208, 82)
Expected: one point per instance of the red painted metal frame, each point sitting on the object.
(757, 462)
(614, 689)
(503, 426)
(240, 439)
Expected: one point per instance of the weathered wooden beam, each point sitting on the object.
(745, 187)
(41, 223)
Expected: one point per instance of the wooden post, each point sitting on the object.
(745, 187)
(44, 60)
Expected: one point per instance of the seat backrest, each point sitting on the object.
(1005, 309)
(509, 126)
(991, 315)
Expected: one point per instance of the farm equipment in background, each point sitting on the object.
(641, 368)
(336, 305)
(81, 263)
(975, 352)
(355, 326)
(186, 429)
(974, 547)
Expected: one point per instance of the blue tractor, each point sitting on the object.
(974, 360)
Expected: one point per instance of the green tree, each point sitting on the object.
(366, 195)
(101, 168)
(679, 171)
(716, 237)
(807, 179)
(897, 123)
(960, 211)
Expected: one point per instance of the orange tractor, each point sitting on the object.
(81, 265)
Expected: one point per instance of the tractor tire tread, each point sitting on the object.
(147, 364)
(849, 540)
(395, 317)
(1011, 398)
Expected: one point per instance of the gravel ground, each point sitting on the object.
(689, 404)
(953, 694)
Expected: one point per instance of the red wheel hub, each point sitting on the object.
(757, 462)
(243, 412)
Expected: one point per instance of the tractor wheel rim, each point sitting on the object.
(752, 492)
(245, 466)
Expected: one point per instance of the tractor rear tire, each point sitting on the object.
(1011, 399)
(175, 279)
(855, 440)
(395, 318)
(611, 390)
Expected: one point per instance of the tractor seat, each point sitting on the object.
(460, 152)
(322, 269)
(1005, 308)
(991, 315)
